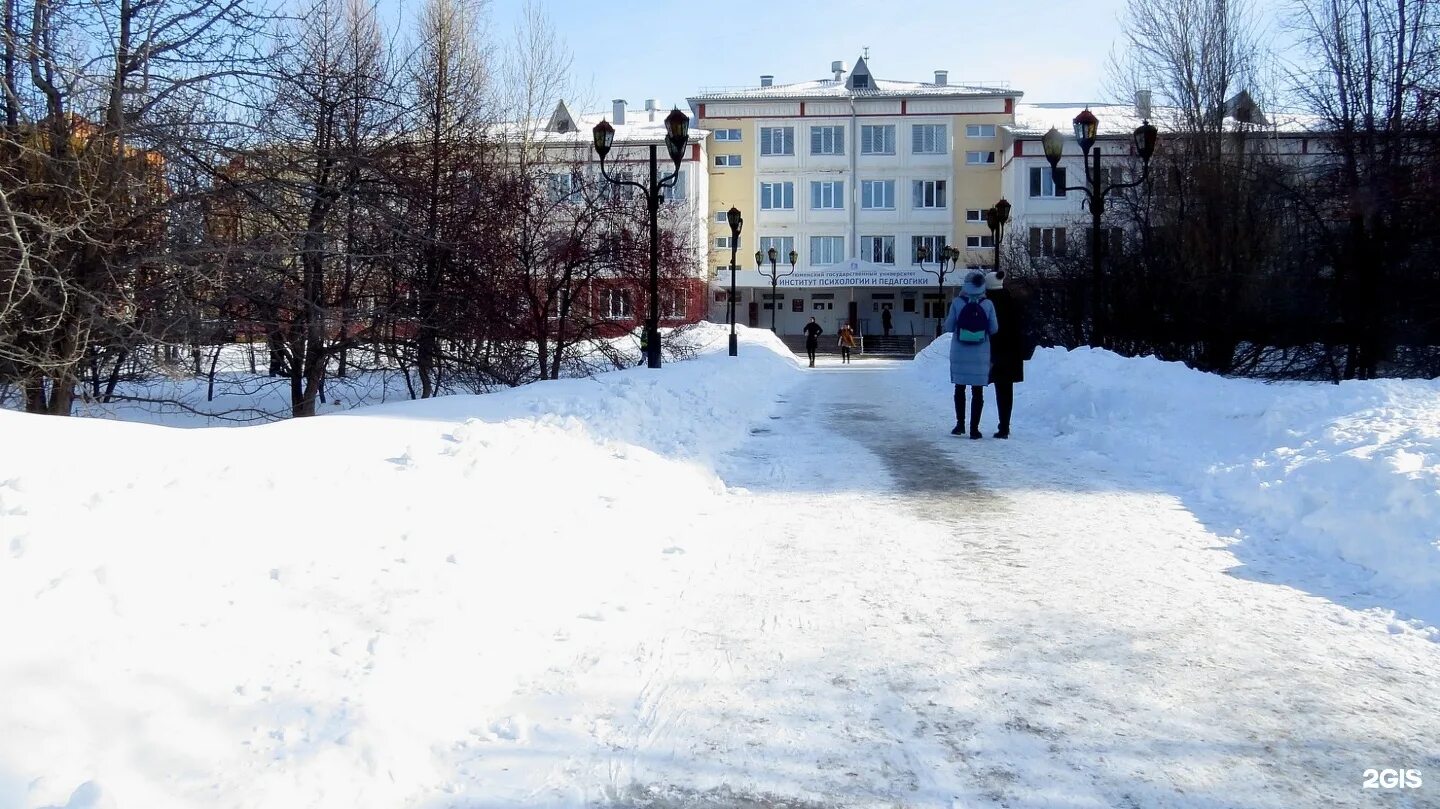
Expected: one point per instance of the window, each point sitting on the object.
(877, 195)
(1113, 240)
(672, 304)
(979, 158)
(934, 244)
(878, 249)
(827, 250)
(1047, 241)
(827, 196)
(727, 160)
(1047, 183)
(979, 130)
(877, 139)
(975, 242)
(562, 186)
(615, 303)
(777, 140)
(971, 215)
(929, 193)
(827, 140)
(722, 242)
(777, 196)
(928, 139)
(773, 301)
(860, 80)
(727, 134)
(722, 217)
(676, 192)
(618, 189)
(782, 244)
(934, 306)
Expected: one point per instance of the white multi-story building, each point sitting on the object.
(854, 174)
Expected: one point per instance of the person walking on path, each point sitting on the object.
(1010, 348)
(847, 342)
(886, 319)
(812, 339)
(644, 346)
(972, 323)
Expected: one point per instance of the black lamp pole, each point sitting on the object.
(677, 135)
(996, 218)
(736, 222)
(1087, 127)
(774, 256)
(948, 257)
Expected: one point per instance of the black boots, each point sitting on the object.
(977, 404)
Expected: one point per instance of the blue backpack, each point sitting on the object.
(973, 324)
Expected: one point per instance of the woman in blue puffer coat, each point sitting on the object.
(971, 323)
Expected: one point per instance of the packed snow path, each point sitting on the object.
(913, 619)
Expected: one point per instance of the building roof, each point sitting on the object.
(565, 128)
(832, 88)
(1120, 120)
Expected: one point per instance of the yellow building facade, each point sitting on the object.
(854, 174)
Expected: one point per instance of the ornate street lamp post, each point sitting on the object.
(949, 258)
(997, 217)
(736, 222)
(677, 135)
(1087, 127)
(774, 255)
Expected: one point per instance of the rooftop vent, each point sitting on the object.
(838, 68)
(767, 80)
(650, 108)
(1142, 103)
(942, 77)
(617, 112)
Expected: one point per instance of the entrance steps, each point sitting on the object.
(901, 346)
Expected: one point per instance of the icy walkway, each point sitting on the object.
(922, 621)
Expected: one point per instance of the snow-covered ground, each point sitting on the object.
(733, 582)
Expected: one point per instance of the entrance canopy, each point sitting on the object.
(852, 273)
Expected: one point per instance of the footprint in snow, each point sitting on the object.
(674, 549)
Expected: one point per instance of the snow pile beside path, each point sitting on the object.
(335, 612)
(1348, 471)
(696, 408)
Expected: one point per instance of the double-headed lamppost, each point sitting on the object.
(996, 218)
(677, 135)
(949, 257)
(1087, 126)
(774, 256)
(733, 215)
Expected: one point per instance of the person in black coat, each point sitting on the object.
(886, 319)
(1009, 348)
(812, 339)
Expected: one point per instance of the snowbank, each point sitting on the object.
(327, 612)
(1325, 472)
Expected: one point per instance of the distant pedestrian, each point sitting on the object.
(812, 339)
(644, 346)
(1010, 348)
(971, 322)
(887, 320)
(847, 342)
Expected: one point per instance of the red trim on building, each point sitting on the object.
(902, 112)
(1304, 146)
(802, 113)
(695, 152)
(1009, 106)
(702, 111)
(1019, 149)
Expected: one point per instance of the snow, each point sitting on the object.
(732, 582)
(1321, 474)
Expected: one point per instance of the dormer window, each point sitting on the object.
(860, 80)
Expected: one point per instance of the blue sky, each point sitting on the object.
(1052, 50)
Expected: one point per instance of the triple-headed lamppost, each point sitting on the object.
(949, 256)
(677, 134)
(774, 256)
(1087, 126)
(996, 218)
(733, 216)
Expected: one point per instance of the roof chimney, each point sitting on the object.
(1142, 103)
(617, 113)
(650, 108)
(838, 68)
(941, 76)
(767, 80)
